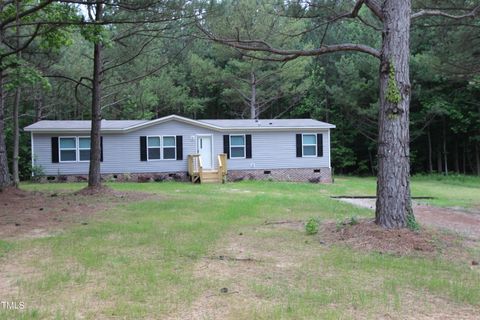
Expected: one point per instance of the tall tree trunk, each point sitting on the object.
(4, 172)
(430, 164)
(477, 157)
(456, 157)
(94, 176)
(327, 110)
(370, 157)
(253, 98)
(394, 208)
(38, 105)
(16, 138)
(445, 156)
(439, 159)
(16, 107)
(469, 159)
(464, 157)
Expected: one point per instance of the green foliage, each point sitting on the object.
(25, 74)
(311, 226)
(393, 93)
(95, 34)
(37, 173)
(353, 220)
(57, 38)
(412, 223)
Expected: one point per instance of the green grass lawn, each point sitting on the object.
(147, 259)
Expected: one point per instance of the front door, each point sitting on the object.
(204, 146)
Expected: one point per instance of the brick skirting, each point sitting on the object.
(318, 175)
(120, 177)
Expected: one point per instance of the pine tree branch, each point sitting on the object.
(34, 9)
(439, 13)
(287, 55)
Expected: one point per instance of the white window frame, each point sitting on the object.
(67, 149)
(162, 147)
(159, 147)
(174, 147)
(310, 145)
(244, 145)
(78, 148)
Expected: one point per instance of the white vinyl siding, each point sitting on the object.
(237, 146)
(271, 150)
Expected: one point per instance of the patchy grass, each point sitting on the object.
(5, 247)
(148, 259)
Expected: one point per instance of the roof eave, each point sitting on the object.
(169, 118)
(181, 119)
(277, 128)
(64, 130)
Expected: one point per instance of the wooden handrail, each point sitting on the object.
(195, 167)
(200, 167)
(222, 167)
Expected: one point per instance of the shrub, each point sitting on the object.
(311, 227)
(37, 173)
(353, 220)
(412, 224)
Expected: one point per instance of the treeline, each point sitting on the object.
(156, 60)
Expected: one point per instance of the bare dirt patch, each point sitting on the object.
(456, 220)
(26, 214)
(367, 236)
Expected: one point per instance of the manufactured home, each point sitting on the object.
(175, 147)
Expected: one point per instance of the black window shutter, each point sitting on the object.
(143, 148)
(299, 145)
(248, 144)
(179, 140)
(226, 145)
(101, 149)
(54, 149)
(319, 145)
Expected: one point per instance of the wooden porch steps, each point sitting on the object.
(198, 175)
(210, 176)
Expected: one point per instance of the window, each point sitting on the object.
(309, 145)
(73, 149)
(84, 149)
(237, 146)
(154, 147)
(68, 149)
(162, 148)
(169, 147)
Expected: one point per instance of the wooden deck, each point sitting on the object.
(198, 175)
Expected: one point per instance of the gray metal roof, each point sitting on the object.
(81, 124)
(130, 125)
(268, 123)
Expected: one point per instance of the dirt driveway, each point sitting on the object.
(464, 223)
